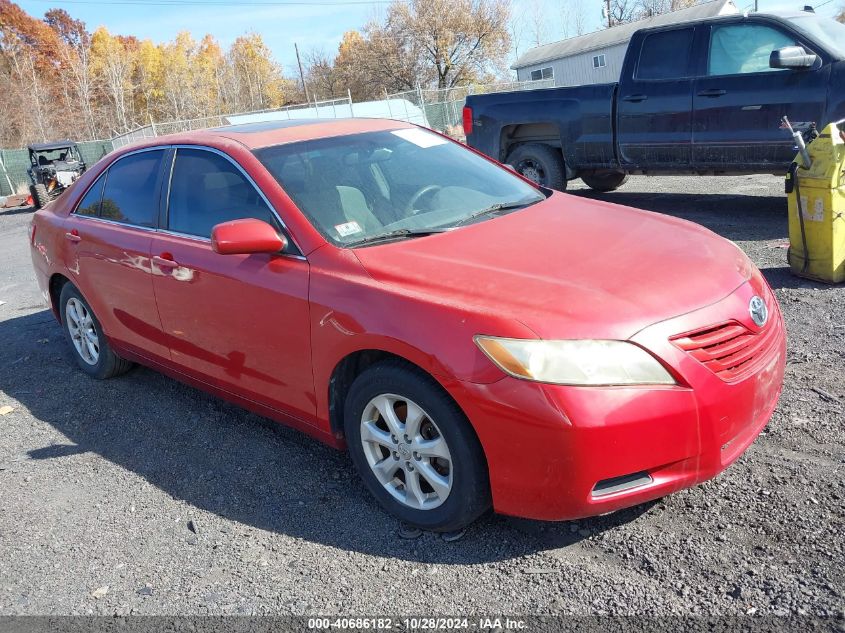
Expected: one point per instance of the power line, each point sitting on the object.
(222, 3)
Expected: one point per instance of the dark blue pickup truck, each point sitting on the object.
(698, 97)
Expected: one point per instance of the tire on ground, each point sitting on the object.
(543, 160)
(469, 496)
(40, 197)
(108, 363)
(605, 181)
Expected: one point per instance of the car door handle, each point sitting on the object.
(73, 236)
(165, 260)
(634, 98)
(714, 92)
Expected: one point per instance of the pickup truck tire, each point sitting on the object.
(605, 181)
(541, 163)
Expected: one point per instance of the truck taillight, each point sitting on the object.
(467, 120)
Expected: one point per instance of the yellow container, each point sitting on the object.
(817, 228)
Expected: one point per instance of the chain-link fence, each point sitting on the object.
(444, 107)
(440, 110)
(330, 109)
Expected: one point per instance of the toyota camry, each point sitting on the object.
(474, 340)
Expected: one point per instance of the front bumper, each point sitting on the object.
(558, 452)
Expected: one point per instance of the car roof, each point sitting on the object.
(258, 134)
(44, 147)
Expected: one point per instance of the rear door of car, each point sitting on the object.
(108, 238)
(654, 102)
(237, 322)
(739, 100)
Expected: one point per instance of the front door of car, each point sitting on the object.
(108, 239)
(237, 322)
(654, 111)
(739, 100)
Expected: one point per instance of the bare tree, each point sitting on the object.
(623, 11)
(320, 75)
(538, 22)
(841, 16)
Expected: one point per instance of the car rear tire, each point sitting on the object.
(414, 448)
(90, 347)
(39, 194)
(605, 181)
(541, 163)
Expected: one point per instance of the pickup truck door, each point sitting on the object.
(739, 100)
(654, 108)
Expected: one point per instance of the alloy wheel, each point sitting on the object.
(532, 170)
(80, 324)
(406, 451)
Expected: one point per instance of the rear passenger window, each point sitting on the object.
(207, 189)
(131, 191)
(665, 55)
(90, 203)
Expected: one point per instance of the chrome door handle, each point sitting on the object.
(635, 98)
(73, 236)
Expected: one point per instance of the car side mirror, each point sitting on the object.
(794, 57)
(247, 236)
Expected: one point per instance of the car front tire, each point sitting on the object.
(414, 448)
(89, 346)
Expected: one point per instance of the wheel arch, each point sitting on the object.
(348, 368)
(56, 284)
(547, 132)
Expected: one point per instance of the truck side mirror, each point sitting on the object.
(793, 57)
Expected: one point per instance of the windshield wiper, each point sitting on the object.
(393, 235)
(493, 208)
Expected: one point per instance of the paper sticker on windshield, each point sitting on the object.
(345, 230)
(419, 137)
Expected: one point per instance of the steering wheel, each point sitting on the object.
(424, 191)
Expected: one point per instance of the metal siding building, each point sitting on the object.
(597, 57)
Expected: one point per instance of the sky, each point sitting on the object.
(314, 25)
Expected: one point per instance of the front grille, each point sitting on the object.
(730, 350)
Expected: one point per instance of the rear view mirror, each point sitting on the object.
(794, 57)
(247, 236)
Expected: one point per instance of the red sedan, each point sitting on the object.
(473, 339)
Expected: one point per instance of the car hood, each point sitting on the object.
(568, 267)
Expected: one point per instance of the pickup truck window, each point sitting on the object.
(665, 55)
(828, 32)
(737, 49)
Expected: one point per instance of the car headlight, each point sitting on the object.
(575, 362)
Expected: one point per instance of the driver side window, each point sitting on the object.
(737, 49)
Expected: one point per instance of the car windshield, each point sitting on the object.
(829, 32)
(396, 184)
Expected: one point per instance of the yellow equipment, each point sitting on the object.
(817, 208)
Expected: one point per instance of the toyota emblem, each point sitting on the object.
(758, 310)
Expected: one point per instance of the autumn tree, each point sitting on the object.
(460, 40)
(26, 51)
(257, 80)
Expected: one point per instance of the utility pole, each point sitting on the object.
(301, 74)
(609, 18)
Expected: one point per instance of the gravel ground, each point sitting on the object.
(140, 495)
